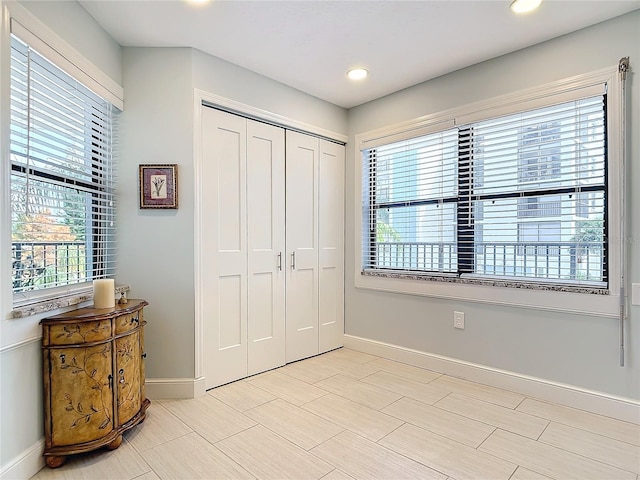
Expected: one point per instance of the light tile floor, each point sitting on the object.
(350, 415)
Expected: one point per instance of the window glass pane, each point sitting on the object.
(420, 168)
(49, 234)
(62, 203)
(416, 238)
(557, 146)
(553, 244)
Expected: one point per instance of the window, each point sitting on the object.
(62, 178)
(414, 188)
(520, 196)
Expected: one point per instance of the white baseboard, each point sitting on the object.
(163, 388)
(26, 465)
(621, 408)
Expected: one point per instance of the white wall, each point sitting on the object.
(155, 247)
(561, 347)
(21, 405)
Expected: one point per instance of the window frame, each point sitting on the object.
(95, 185)
(18, 20)
(476, 288)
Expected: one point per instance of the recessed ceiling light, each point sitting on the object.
(357, 73)
(524, 6)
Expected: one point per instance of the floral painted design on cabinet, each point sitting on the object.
(81, 379)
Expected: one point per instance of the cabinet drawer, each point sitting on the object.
(78, 333)
(124, 323)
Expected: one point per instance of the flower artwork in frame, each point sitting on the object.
(158, 186)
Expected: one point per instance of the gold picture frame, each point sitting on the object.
(158, 185)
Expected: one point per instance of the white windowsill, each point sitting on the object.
(589, 301)
(490, 281)
(62, 301)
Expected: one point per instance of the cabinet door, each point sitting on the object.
(302, 245)
(224, 247)
(331, 247)
(127, 376)
(265, 245)
(81, 393)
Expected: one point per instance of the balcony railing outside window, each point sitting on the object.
(556, 261)
(47, 264)
(433, 257)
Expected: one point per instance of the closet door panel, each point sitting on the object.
(230, 307)
(331, 246)
(302, 245)
(224, 259)
(230, 190)
(266, 243)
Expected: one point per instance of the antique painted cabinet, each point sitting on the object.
(93, 378)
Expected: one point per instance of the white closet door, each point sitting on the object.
(266, 243)
(302, 157)
(331, 246)
(224, 252)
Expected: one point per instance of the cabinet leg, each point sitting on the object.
(54, 461)
(115, 443)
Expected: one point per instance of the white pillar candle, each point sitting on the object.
(104, 293)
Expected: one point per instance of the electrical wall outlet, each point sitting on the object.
(458, 320)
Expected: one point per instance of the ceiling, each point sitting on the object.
(309, 45)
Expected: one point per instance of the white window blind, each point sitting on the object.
(520, 196)
(411, 196)
(62, 177)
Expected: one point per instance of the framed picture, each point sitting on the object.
(158, 186)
